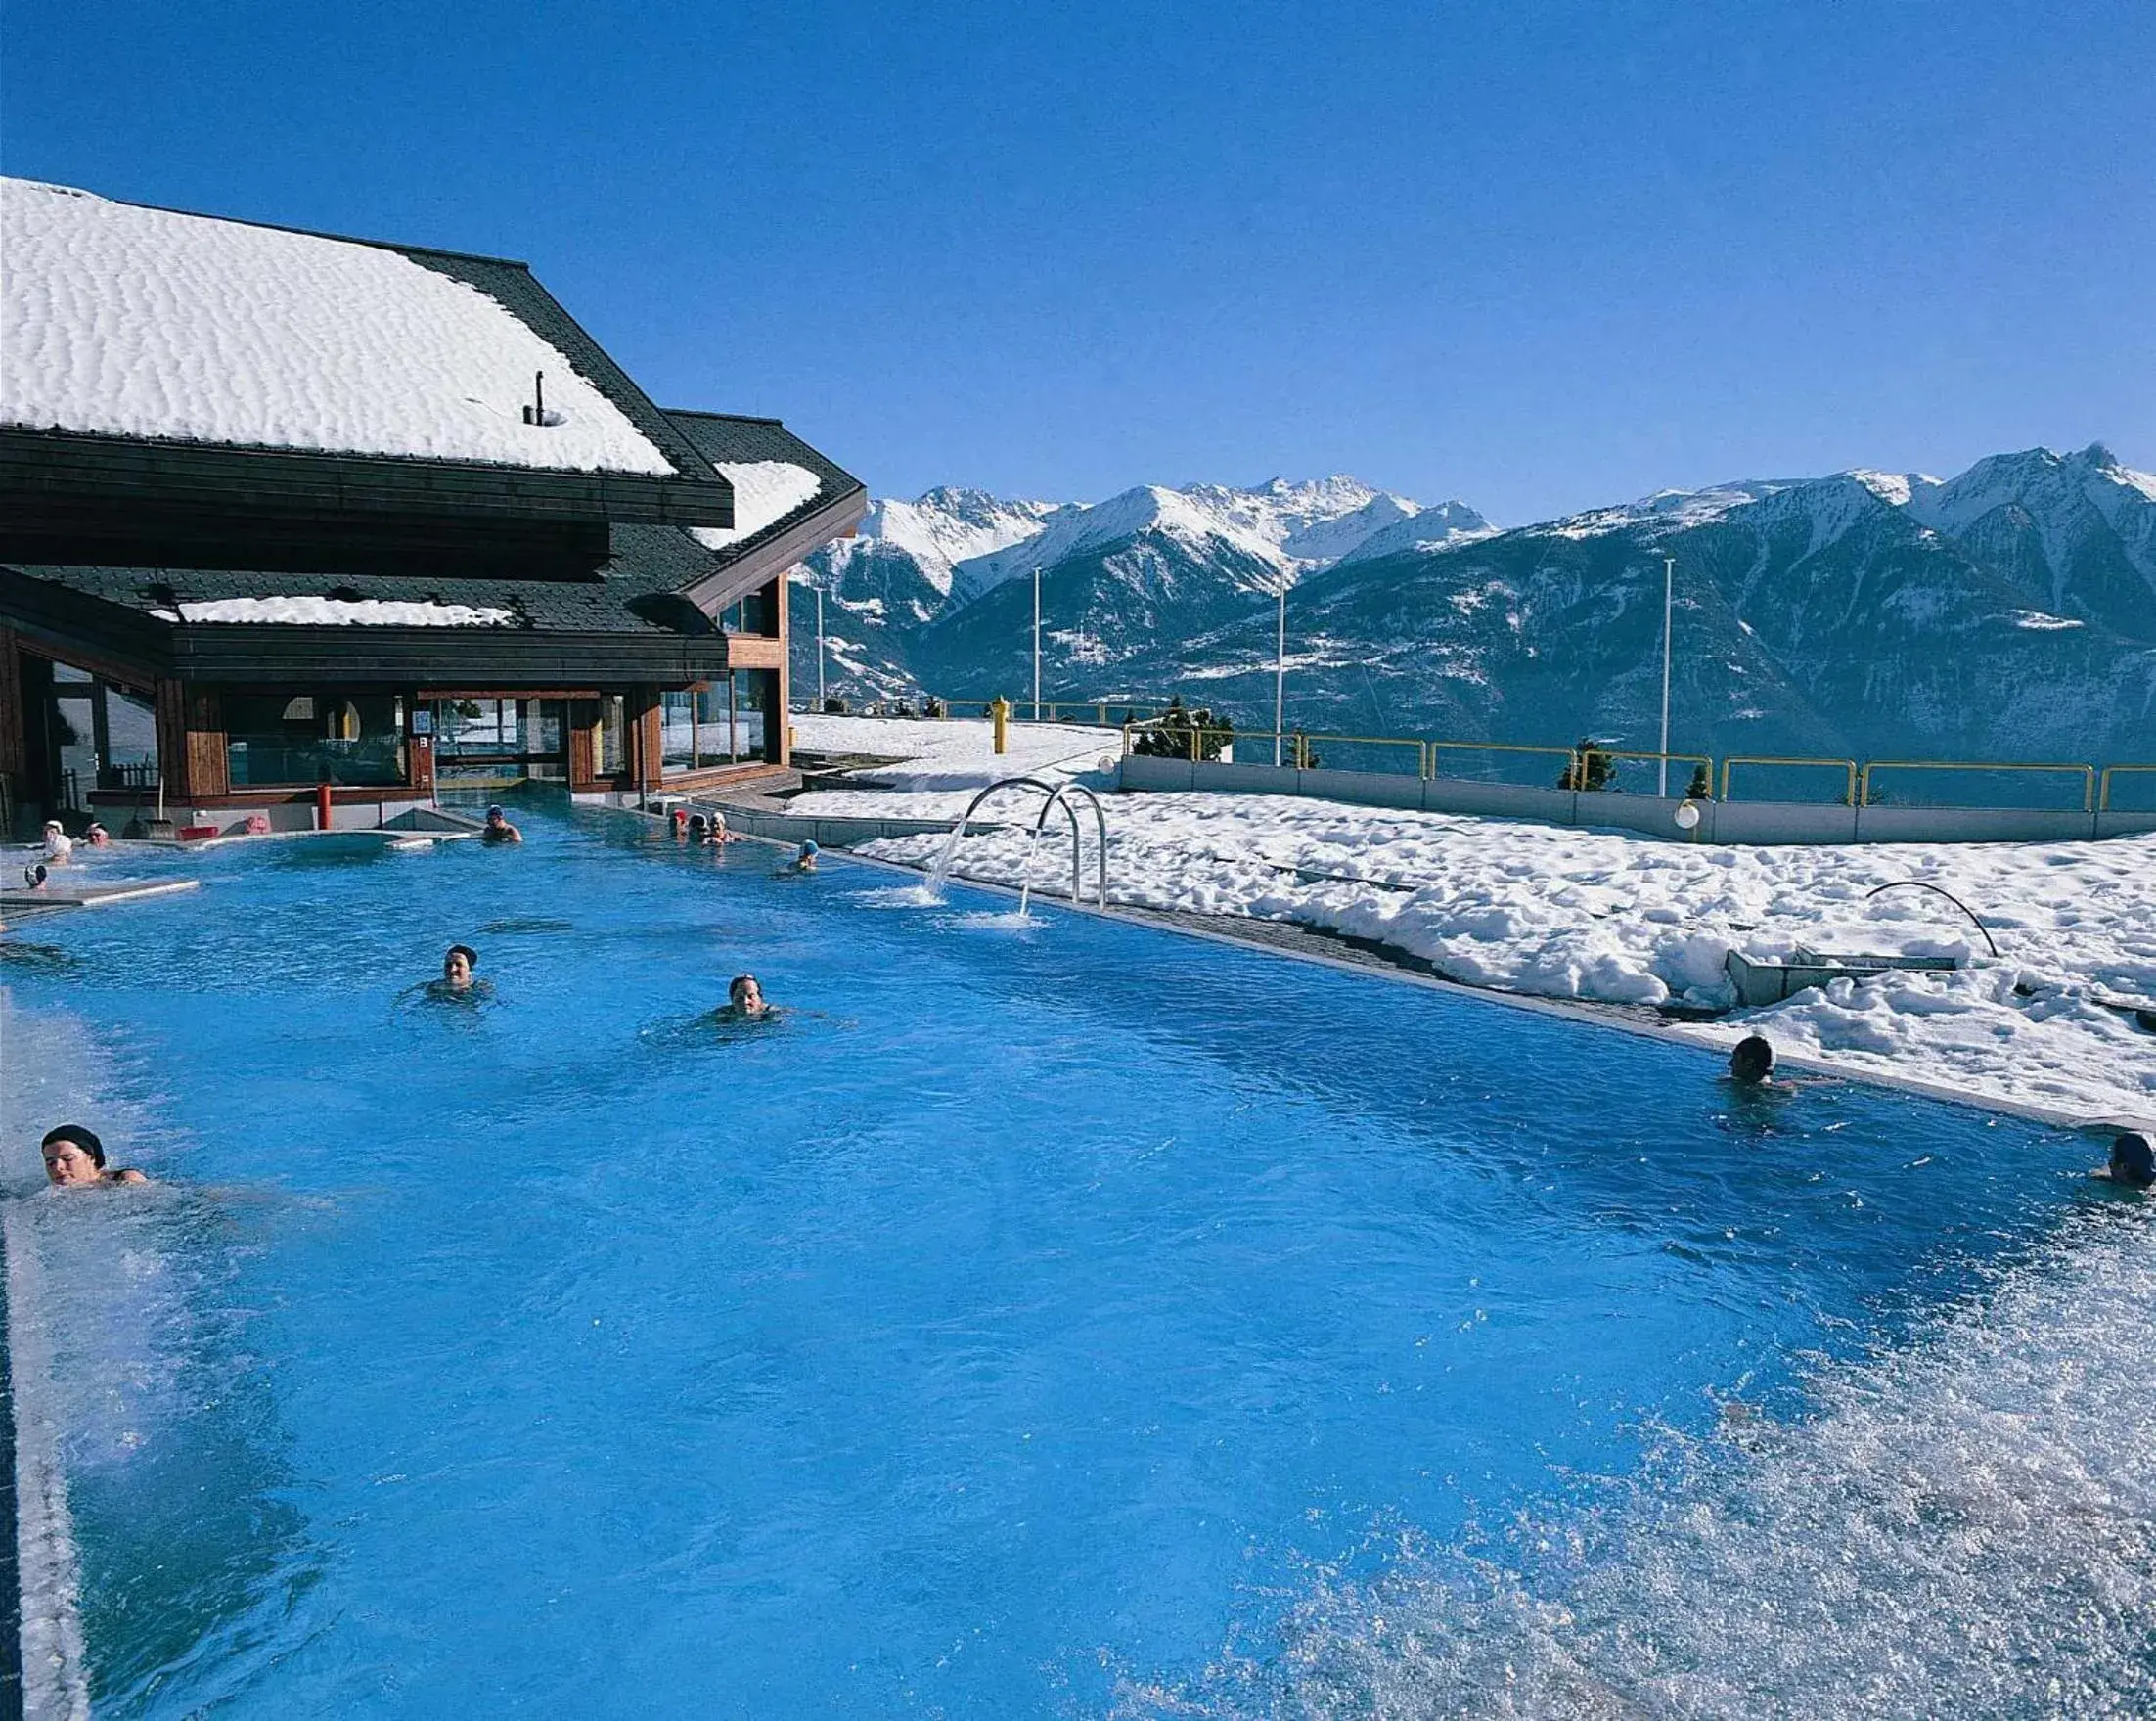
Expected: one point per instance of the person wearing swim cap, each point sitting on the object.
(456, 981)
(60, 847)
(2132, 1162)
(806, 860)
(499, 829)
(716, 835)
(1752, 1061)
(75, 1158)
(34, 876)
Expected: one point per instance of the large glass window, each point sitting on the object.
(750, 615)
(288, 740)
(479, 743)
(723, 724)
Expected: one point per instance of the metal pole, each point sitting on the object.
(819, 648)
(1280, 675)
(1036, 644)
(1669, 587)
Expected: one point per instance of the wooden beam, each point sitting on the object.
(14, 756)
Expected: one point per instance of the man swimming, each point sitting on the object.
(744, 1000)
(457, 966)
(75, 1157)
(1752, 1061)
(2132, 1162)
(499, 829)
(806, 860)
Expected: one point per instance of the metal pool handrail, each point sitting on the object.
(1055, 795)
(1100, 821)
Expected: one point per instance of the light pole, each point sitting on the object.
(1280, 674)
(819, 648)
(1669, 587)
(1036, 644)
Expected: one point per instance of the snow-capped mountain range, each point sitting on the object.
(2008, 612)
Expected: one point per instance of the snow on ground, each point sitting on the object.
(140, 322)
(1620, 918)
(948, 763)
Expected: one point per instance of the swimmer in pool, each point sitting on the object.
(2132, 1162)
(1752, 1063)
(457, 981)
(34, 876)
(716, 835)
(95, 836)
(499, 829)
(60, 847)
(804, 861)
(744, 1000)
(75, 1158)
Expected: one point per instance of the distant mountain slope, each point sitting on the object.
(2008, 612)
(917, 596)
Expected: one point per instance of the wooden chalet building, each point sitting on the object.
(281, 510)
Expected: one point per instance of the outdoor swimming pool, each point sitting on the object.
(1074, 1318)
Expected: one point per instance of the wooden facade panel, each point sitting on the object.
(14, 756)
(749, 651)
(782, 717)
(207, 769)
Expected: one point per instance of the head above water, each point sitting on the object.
(458, 964)
(745, 994)
(495, 816)
(73, 1155)
(1753, 1059)
(2132, 1160)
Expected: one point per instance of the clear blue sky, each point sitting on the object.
(1538, 255)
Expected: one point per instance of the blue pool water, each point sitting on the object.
(1031, 1317)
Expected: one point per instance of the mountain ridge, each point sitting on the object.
(2010, 610)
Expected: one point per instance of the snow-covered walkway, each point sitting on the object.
(1628, 920)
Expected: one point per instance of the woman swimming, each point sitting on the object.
(75, 1158)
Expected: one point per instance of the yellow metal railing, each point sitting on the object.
(1438, 749)
(2086, 773)
(1849, 791)
(1297, 748)
(1611, 752)
(2103, 784)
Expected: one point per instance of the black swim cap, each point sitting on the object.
(2133, 1160)
(86, 1140)
(470, 955)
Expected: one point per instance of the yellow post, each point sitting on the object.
(1000, 714)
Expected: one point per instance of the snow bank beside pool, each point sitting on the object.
(948, 760)
(1603, 917)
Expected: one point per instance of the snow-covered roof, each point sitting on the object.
(127, 321)
(765, 491)
(339, 612)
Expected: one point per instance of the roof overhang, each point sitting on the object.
(137, 649)
(59, 467)
(755, 567)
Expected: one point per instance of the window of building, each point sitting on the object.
(275, 738)
(723, 724)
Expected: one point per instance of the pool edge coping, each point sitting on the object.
(53, 1652)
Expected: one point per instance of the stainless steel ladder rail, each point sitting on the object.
(1054, 795)
(1077, 874)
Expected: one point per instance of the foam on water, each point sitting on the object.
(1964, 1524)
